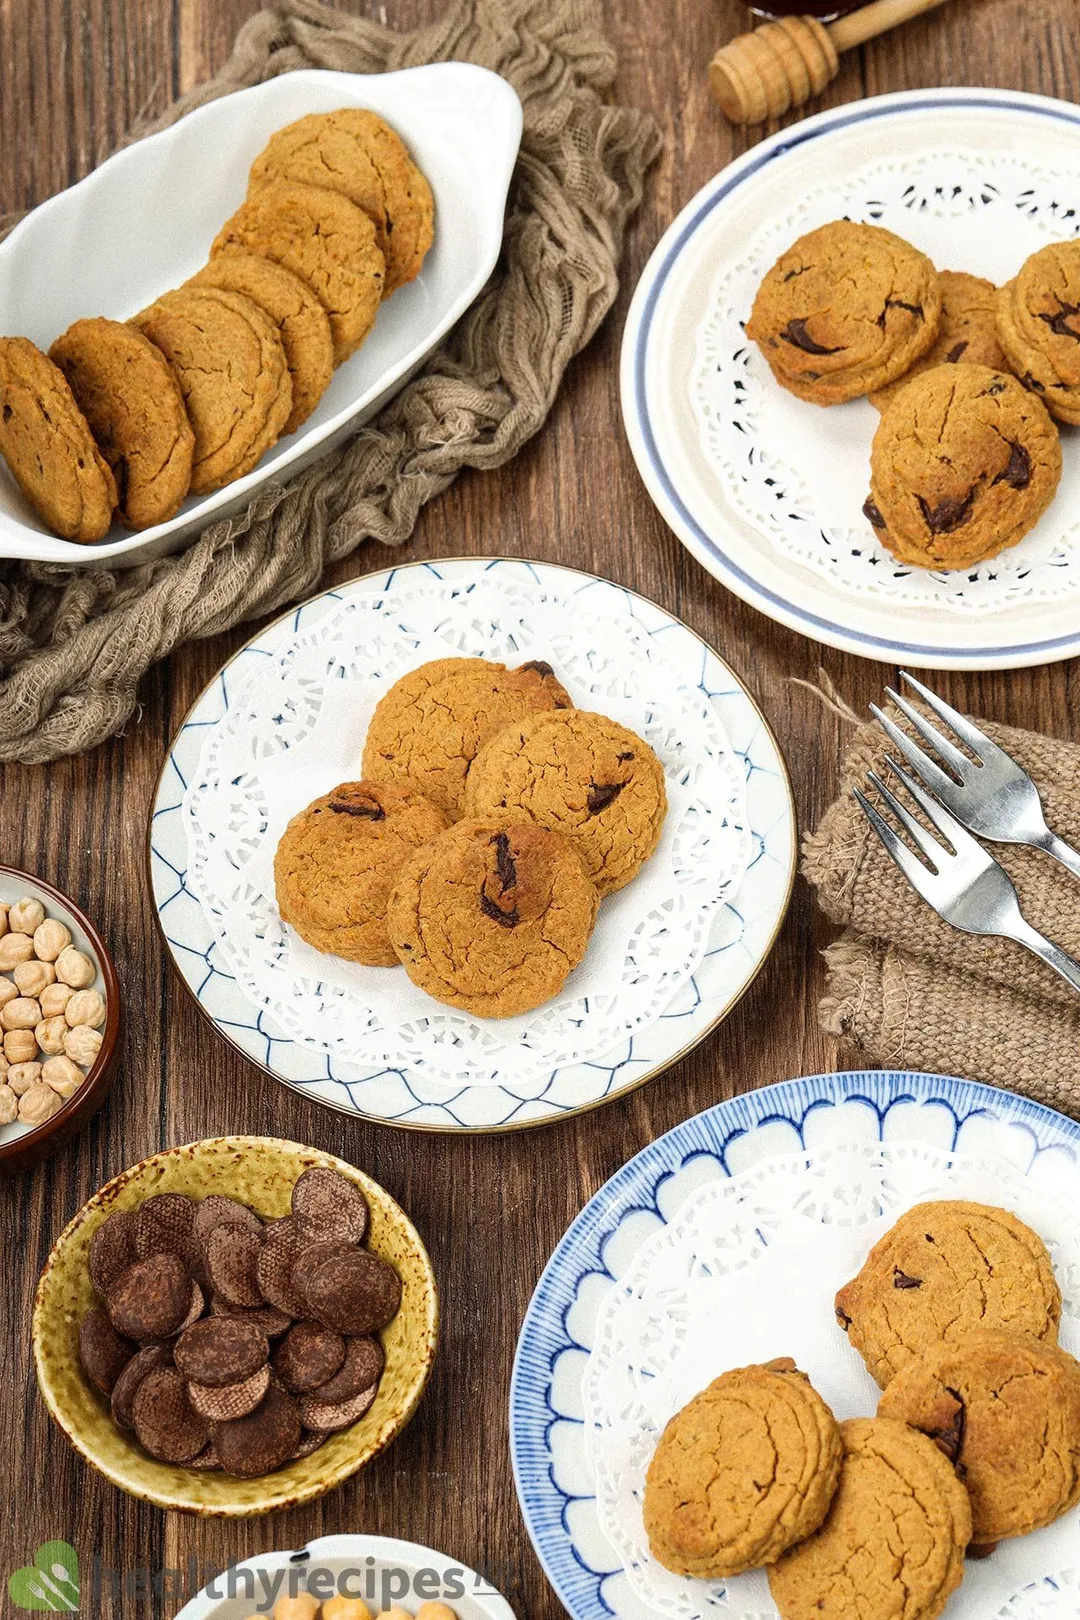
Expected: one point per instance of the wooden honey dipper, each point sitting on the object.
(780, 65)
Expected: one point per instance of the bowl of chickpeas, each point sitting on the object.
(59, 1019)
(350, 1578)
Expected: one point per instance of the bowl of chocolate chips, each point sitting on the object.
(235, 1326)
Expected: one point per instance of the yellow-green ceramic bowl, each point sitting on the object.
(261, 1172)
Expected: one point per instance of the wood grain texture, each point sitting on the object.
(73, 75)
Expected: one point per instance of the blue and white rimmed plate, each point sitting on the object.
(722, 1243)
(767, 491)
(261, 732)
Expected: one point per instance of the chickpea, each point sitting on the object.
(8, 991)
(22, 1013)
(39, 1104)
(9, 1105)
(73, 967)
(301, 1607)
(33, 977)
(82, 1045)
(4, 1067)
(26, 915)
(50, 938)
(3, 920)
(54, 999)
(85, 1007)
(20, 1045)
(21, 1076)
(51, 1034)
(15, 948)
(62, 1075)
(340, 1607)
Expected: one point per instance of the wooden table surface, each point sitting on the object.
(73, 75)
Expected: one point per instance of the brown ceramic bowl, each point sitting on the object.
(20, 1147)
(261, 1172)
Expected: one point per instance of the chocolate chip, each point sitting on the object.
(1058, 322)
(217, 1210)
(362, 1367)
(948, 1435)
(540, 666)
(7, 412)
(601, 794)
(308, 1355)
(983, 1550)
(232, 1254)
(225, 1402)
(363, 805)
(505, 864)
(274, 1268)
(955, 353)
(165, 1423)
(628, 755)
(308, 1262)
(900, 1279)
(262, 1441)
(949, 514)
(898, 303)
(103, 1351)
(1018, 472)
(998, 386)
(842, 1317)
(220, 1350)
(796, 334)
(873, 514)
(267, 1318)
(328, 1207)
(112, 1249)
(327, 1419)
(151, 1299)
(1030, 382)
(355, 1294)
(163, 1225)
(506, 919)
(126, 1387)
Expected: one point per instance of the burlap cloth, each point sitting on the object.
(75, 642)
(910, 992)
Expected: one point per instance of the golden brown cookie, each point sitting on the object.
(942, 1270)
(492, 917)
(337, 861)
(743, 1472)
(581, 775)
(355, 152)
(430, 725)
(967, 334)
(1005, 1409)
(47, 443)
(847, 309)
(128, 393)
(1039, 327)
(231, 368)
(894, 1539)
(964, 463)
(302, 323)
(324, 239)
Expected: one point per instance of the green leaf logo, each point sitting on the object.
(50, 1583)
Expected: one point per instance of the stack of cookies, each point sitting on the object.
(195, 1294)
(976, 1438)
(968, 378)
(126, 419)
(491, 819)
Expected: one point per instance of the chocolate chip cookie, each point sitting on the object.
(1005, 1409)
(337, 861)
(964, 462)
(324, 239)
(355, 152)
(431, 724)
(493, 916)
(230, 364)
(302, 323)
(46, 441)
(1039, 327)
(942, 1270)
(967, 334)
(743, 1472)
(846, 310)
(581, 775)
(894, 1539)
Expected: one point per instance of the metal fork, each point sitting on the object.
(964, 884)
(993, 796)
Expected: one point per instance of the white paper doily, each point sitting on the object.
(747, 1270)
(298, 729)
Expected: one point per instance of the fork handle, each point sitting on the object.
(1061, 962)
(1061, 851)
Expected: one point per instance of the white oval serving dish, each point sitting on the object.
(144, 221)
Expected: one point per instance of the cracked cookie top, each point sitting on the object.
(943, 1270)
(492, 916)
(894, 1539)
(744, 1471)
(337, 860)
(1005, 1409)
(1039, 327)
(964, 462)
(846, 310)
(432, 722)
(581, 775)
(967, 335)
